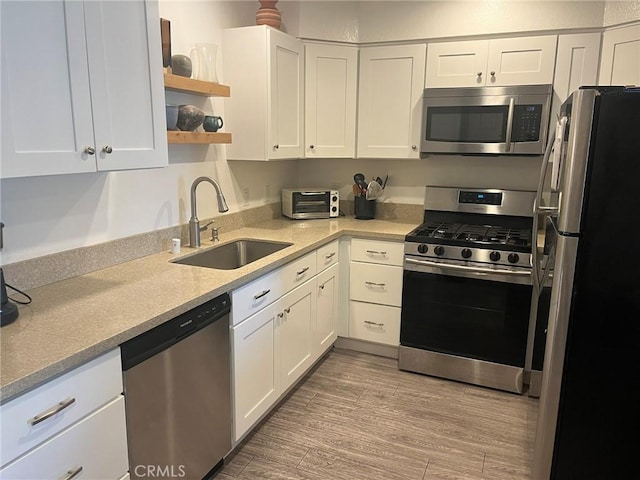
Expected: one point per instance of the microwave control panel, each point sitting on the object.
(526, 123)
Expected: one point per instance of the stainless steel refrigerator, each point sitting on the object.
(589, 417)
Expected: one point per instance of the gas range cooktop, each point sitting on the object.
(474, 226)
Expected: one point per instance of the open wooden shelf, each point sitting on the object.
(198, 137)
(195, 87)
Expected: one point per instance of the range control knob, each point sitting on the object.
(494, 256)
(513, 258)
(439, 250)
(422, 248)
(466, 253)
(334, 199)
(334, 209)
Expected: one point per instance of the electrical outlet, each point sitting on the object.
(245, 196)
(267, 193)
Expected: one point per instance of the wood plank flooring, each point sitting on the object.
(356, 416)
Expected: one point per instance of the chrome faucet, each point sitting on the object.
(194, 223)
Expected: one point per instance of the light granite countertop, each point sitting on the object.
(73, 321)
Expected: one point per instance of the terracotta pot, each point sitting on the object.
(268, 14)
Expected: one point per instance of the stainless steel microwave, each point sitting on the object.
(511, 120)
(301, 204)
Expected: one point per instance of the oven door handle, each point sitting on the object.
(446, 266)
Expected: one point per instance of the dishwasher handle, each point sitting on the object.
(154, 341)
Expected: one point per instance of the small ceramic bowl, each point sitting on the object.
(172, 117)
(190, 117)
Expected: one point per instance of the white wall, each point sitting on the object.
(621, 11)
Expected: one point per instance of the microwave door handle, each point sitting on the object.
(512, 106)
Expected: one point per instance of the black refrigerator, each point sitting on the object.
(588, 423)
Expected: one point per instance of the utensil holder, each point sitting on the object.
(364, 209)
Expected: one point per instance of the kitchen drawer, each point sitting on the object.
(84, 389)
(380, 284)
(377, 251)
(256, 295)
(375, 323)
(328, 255)
(299, 271)
(97, 444)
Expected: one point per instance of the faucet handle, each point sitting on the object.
(204, 227)
(214, 234)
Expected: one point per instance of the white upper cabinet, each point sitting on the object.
(265, 70)
(620, 63)
(390, 101)
(576, 65)
(504, 61)
(331, 82)
(82, 87)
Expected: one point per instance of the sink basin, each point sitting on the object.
(233, 255)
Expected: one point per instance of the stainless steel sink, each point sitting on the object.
(233, 255)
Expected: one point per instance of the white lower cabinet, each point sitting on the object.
(375, 290)
(256, 382)
(57, 428)
(275, 346)
(95, 448)
(326, 329)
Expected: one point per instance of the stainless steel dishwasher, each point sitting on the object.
(177, 386)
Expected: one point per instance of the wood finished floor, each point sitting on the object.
(356, 416)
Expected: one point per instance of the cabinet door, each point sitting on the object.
(390, 108)
(127, 90)
(331, 73)
(521, 61)
(621, 56)
(255, 372)
(286, 63)
(326, 309)
(457, 64)
(46, 104)
(295, 343)
(576, 65)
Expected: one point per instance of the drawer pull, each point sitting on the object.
(374, 284)
(375, 252)
(287, 310)
(53, 411)
(330, 255)
(73, 473)
(369, 322)
(303, 271)
(260, 295)
(322, 287)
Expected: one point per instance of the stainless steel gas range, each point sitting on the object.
(467, 287)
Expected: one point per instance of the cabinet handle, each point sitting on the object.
(107, 149)
(276, 146)
(375, 252)
(330, 255)
(73, 473)
(312, 147)
(260, 295)
(369, 322)
(493, 74)
(41, 417)
(304, 270)
(414, 147)
(89, 150)
(321, 286)
(373, 284)
(280, 315)
(287, 310)
(479, 74)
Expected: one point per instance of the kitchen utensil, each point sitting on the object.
(356, 190)
(374, 190)
(379, 180)
(360, 181)
(385, 181)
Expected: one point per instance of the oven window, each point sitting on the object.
(481, 319)
(311, 202)
(477, 124)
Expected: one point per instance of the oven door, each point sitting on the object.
(311, 204)
(474, 326)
